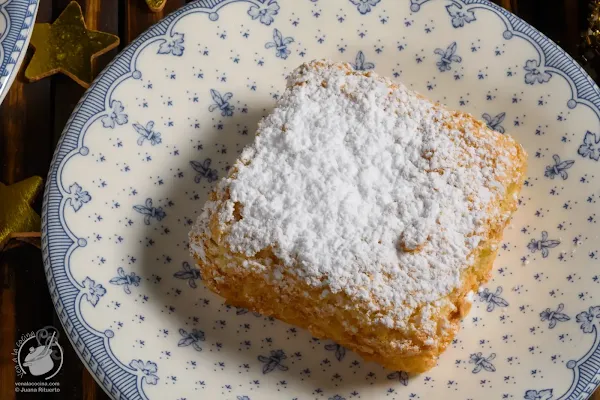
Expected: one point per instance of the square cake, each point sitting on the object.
(362, 212)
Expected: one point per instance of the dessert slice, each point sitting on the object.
(363, 212)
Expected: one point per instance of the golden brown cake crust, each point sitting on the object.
(263, 282)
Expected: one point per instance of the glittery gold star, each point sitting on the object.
(67, 46)
(156, 5)
(17, 218)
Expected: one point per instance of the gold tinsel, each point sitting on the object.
(590, 51)
(592, 36)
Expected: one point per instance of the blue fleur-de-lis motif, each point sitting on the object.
(482, 362)
(126, 280)
(149, 370)
(147, 133)
(149, 211)
(204, 171)
(400, 376)
(447, 57)
(587, 318)
(340, 351)
(93, 291)
(460, 16)
(78, 196)
(265, 11)
(554, 316)
(337, 397)
(116, 116)
(188, 273)
(221, 103)
(192, 338)
(364, 6)
(173, 46)
(590, 147)
(545, 394)
(242, 311)
(542, 245)
(494, 122)
(534, 73)
(493, 299)
(274, 360)
(360, 64)
(243, 398)
(559, 168)
(280, 44)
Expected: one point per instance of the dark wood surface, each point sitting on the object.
(32, 118)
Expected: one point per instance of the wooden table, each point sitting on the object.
(32, 118)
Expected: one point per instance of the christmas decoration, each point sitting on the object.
(67, 46)
(590, 49)
(156, 5)
(17, 218)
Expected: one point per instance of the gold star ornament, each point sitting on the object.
(67, 46)
(17, 218)
(156, 5)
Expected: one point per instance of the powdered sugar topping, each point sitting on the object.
(359, 185)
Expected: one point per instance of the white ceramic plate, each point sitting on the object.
(16, 24)
(173, 111)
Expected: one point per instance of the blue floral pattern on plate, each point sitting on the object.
(17, 18)
(171, 114)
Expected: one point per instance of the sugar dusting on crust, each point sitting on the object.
(360, 185)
